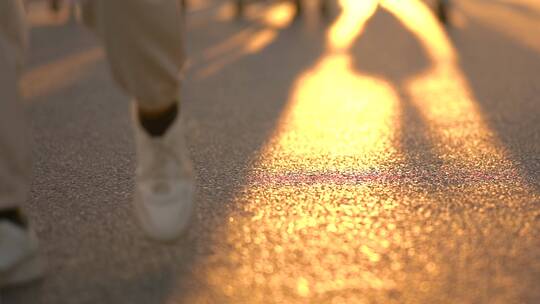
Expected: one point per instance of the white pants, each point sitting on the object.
(143, 43)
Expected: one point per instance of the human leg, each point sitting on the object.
(19, 259)
(143, 42)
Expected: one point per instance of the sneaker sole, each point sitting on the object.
(147, 227)
(30, 269)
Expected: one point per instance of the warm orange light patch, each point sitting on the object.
(279, 15)
(58, 74)
(442, 93)
(260, 41)
(327, 208)
(350, 23)
(268, 22)
(418, 19)
(336, 120)
(230, 44)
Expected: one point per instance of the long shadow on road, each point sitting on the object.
(505, 79)
(232, 114)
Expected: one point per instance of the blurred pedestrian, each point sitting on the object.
(143, 43)
(298, 5)
(442, 9)
(55, 5)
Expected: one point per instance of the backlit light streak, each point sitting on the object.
(324, 208)
(58, 74)
(268, 23)
(350, 23)
(442, 94)
(337, 120)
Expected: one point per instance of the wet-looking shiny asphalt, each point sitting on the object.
(370, 157)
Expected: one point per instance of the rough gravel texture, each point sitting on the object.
(385, 172)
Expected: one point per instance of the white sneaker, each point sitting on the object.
(164, 189)
(19, 258)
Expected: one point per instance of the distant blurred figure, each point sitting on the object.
(323, 7)
(55, 5)
(442, 11)
(143, 41)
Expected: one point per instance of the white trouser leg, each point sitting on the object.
(143, 42)
(15, 162)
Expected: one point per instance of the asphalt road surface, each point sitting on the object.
(370, 156)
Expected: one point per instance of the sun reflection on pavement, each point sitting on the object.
(442, 95)
(331, 214)
(336, 119)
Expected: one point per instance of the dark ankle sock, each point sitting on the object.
(157, 125)
(15, 216)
